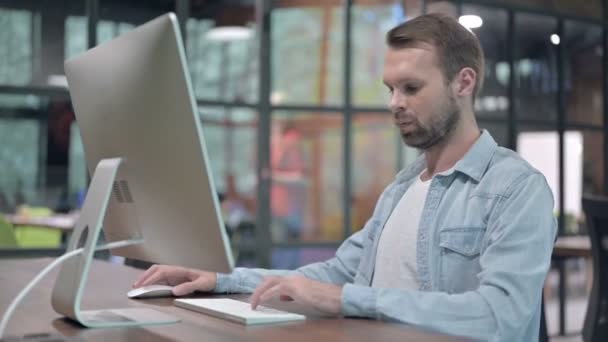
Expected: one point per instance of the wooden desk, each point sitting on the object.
(107, 287)
(572, 247)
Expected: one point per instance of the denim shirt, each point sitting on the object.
(484, 247)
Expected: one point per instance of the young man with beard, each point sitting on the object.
(460, 242)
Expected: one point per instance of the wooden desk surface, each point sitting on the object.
(572, 246)
(107, 288)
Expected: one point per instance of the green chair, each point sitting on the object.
(7, 235)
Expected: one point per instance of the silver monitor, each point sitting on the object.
(133, 100)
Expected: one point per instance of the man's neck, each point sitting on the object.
(446, 154)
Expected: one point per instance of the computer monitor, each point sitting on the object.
(133, 100)
(151, 187)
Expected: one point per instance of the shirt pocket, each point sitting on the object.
(460, 249)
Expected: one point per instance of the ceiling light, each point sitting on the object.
(470, 21)
(555, 39)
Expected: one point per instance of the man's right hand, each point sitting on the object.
(183, 280)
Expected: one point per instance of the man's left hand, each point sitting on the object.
(323, 297)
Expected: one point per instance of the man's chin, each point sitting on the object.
(411, 140)
(418, 142)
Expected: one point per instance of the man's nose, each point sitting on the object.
(397, 101)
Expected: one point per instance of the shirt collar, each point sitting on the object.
(473, 164)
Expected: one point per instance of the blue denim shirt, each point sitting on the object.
(484, 247)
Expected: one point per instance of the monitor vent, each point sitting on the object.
(126, 192)
(122, 192)
(118, 193)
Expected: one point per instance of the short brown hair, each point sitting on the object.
(457, 47)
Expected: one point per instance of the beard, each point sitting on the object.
(441, 125)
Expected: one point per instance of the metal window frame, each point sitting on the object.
(265, 108)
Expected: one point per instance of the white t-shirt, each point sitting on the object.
(396, 256)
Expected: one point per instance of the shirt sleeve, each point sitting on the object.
(340, 269)
(514, 265)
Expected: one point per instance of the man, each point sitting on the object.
(460, 242)
(288, 174)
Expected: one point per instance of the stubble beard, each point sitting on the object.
(439, 129)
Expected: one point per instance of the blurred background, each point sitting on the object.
(294, 115)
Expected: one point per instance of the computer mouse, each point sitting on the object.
(151, 291)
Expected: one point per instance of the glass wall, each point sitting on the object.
(221, 43)
(300, 155)
(306, 190)
(536, 67)
(371, 20)
(583, 72)
(36, 117)
(16, 61)
(375, 160)
(492, 100)
(309, 34)
(34, 41)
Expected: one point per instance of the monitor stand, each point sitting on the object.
(71, 280)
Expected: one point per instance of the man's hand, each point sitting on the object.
(184, 280)
(324, 297)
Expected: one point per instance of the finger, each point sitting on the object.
(147, 274)
(265, 285)
(185, 288)
(272, 292)
(158, 277)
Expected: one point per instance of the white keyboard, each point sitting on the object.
(237, 311)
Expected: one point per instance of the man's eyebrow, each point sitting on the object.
(406, 80)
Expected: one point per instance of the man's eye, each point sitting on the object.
(411, 89)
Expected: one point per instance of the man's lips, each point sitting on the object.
(405, 123)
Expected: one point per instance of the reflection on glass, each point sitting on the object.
(15, 39)
(19, 101)
(231, 141)
(583, 72)
(370, 23)
(35, 156)
(222, 54)
(75, 35)
(492, 101)
(107, 29)
(307, 53)
(535, 67)
(230, 136)
(19, 155)
(307, 181)
(375, 144)
(77, 168)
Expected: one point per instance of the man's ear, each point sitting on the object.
(464, 82)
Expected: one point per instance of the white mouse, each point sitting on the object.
(151, 291)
